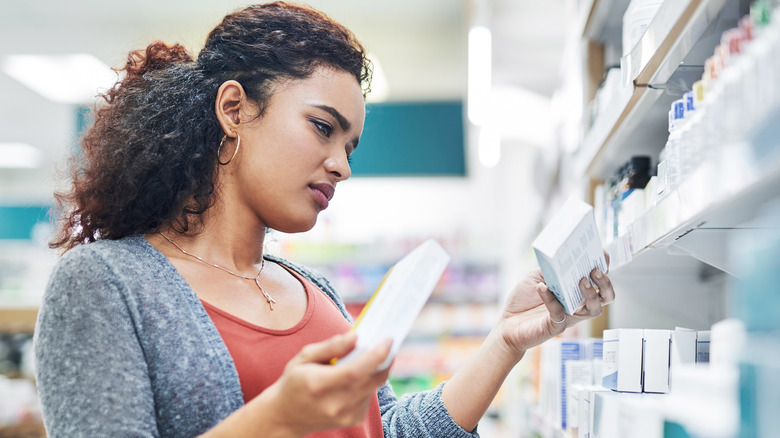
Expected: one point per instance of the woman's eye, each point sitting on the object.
(324, 128)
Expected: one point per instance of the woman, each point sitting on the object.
(165, 318)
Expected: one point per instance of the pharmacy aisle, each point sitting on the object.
(676, 147)
(667, 124)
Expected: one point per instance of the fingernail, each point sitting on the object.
(586, 283)
(598, 274)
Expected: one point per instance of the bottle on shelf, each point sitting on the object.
(632, 198)
(669, 168)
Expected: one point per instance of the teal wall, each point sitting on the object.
(399, 139)
(411, 139)
(17, 222)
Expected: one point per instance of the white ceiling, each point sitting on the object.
(421, 45)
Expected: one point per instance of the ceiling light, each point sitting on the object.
(479, 72)
(75, 78)
(19, 155)
(489, 146)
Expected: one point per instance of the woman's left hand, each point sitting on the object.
(533, 315)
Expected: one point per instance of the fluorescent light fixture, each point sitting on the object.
(489, 146)
(380, 88)
(479, 73)
(74, 78)
(19, 155)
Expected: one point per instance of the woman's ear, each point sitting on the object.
(230, 98)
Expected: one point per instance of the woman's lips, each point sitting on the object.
(323, 193)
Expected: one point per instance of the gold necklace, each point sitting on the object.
(269, 298)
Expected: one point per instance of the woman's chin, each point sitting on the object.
(296, 227)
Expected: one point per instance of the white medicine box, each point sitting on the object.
(655, 358)
(622, 366)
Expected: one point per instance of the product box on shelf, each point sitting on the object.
(622, 367)
(626, 415)
(564, 364)
(579, 373)
(683, 350)
(585, 411)
(594, 352)
(703, 347)
(655, 361)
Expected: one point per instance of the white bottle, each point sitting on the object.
(688, 153)
(731, 78)
(672, 148)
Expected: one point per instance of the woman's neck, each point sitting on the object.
(222, 239)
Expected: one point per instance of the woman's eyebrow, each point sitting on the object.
(343, 122)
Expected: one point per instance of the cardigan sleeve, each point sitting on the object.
(419, 414)
(90, 370)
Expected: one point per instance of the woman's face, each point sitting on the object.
(292, 157)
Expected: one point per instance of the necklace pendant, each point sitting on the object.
(271, 301)
(268, 297)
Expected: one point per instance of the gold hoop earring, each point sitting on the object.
(219, 150)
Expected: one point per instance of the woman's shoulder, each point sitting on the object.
(306, 272)
(128, 254)
(128, 270)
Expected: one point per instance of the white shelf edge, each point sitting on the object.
(692, 32)
(601, 15)
(652, 43)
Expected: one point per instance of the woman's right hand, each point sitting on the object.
(313, 395)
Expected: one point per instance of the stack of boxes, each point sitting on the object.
(637, 360)
(588, 385)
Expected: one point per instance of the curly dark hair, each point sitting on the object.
(150, 158)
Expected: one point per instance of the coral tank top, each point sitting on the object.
(260, 354)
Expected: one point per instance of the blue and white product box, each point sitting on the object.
(655, 361)
(570, 351)
(622, 366)
(596, 355)
(594, 351)
(703, 347)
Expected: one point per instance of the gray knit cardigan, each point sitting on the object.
(124, 348)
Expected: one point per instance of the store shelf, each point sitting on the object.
(667, 59)
(697, 220)
(691, 260)
(604, 147)
(670, 37)
(602, 20)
